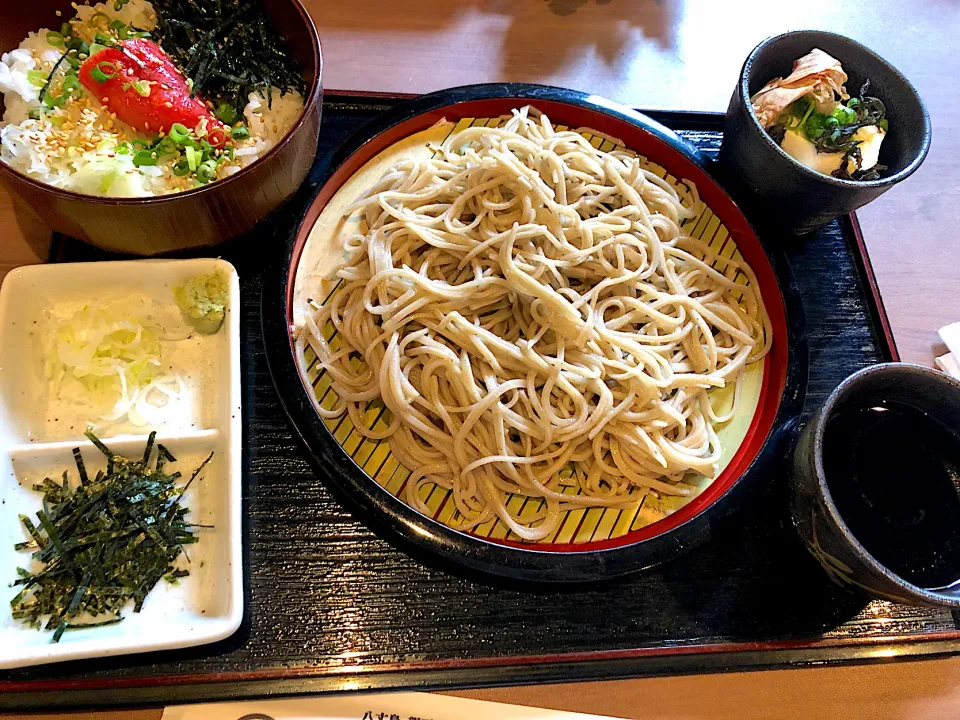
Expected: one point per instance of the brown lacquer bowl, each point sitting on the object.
(206, 216)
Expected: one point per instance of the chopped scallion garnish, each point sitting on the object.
(179, 133)
(193, 158)
(71, 85)
(103, 71)
(144, 157)
(207, 171)
(226, 113)
(37, 78)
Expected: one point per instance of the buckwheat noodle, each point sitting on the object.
(528, 309)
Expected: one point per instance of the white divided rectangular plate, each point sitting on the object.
(38, 434)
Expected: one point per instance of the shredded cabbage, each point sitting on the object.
(113, 350)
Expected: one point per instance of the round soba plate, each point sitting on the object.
(589, 544)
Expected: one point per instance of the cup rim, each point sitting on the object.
(821, 420)
(743, 88)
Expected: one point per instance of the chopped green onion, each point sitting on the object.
(853, 103)
(37, 78)
(144, 157)
(240, 133)
(138, 33)
(226, 113)
(79, 45)
(206, 151)
(57, 120)
(165, 146)
(95, 48)
(56, 39)
(831, 122)
(121, 29)
(74, 61)
(141, 144)
(142, 87)
(844, 115)
(97, 16)
(103, 71)
(71, 85)
(66, 30)
(35, 114)
(884, 124)
(118, 5)
(193, 158)
(207, 171)
(179, 133)
(123, 148)
(54, 102)
(182, 168)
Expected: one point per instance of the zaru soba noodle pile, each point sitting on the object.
(523, 302)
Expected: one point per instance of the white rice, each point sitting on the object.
(74, 147)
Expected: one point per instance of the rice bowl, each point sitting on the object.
(80, 145)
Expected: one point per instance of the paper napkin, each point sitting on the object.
(950, 363)
(387, 706)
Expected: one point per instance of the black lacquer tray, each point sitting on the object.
(332, 607)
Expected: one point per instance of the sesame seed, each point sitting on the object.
(168, 104)
(105, 98)
(59, 14)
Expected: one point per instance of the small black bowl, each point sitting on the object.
(792, 195)
(813, 509)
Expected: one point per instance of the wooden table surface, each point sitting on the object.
(683, 54)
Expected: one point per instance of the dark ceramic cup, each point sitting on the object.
(812, 507)
(791, 195)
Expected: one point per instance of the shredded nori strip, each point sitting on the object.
(229, 48)
(870, 111)
(104, 542)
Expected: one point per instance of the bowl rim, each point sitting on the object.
(950, 599)
(313, 96)
(419, 532)
(743, 89)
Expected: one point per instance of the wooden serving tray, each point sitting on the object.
(332, 607)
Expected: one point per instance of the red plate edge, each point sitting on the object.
(711, 194)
